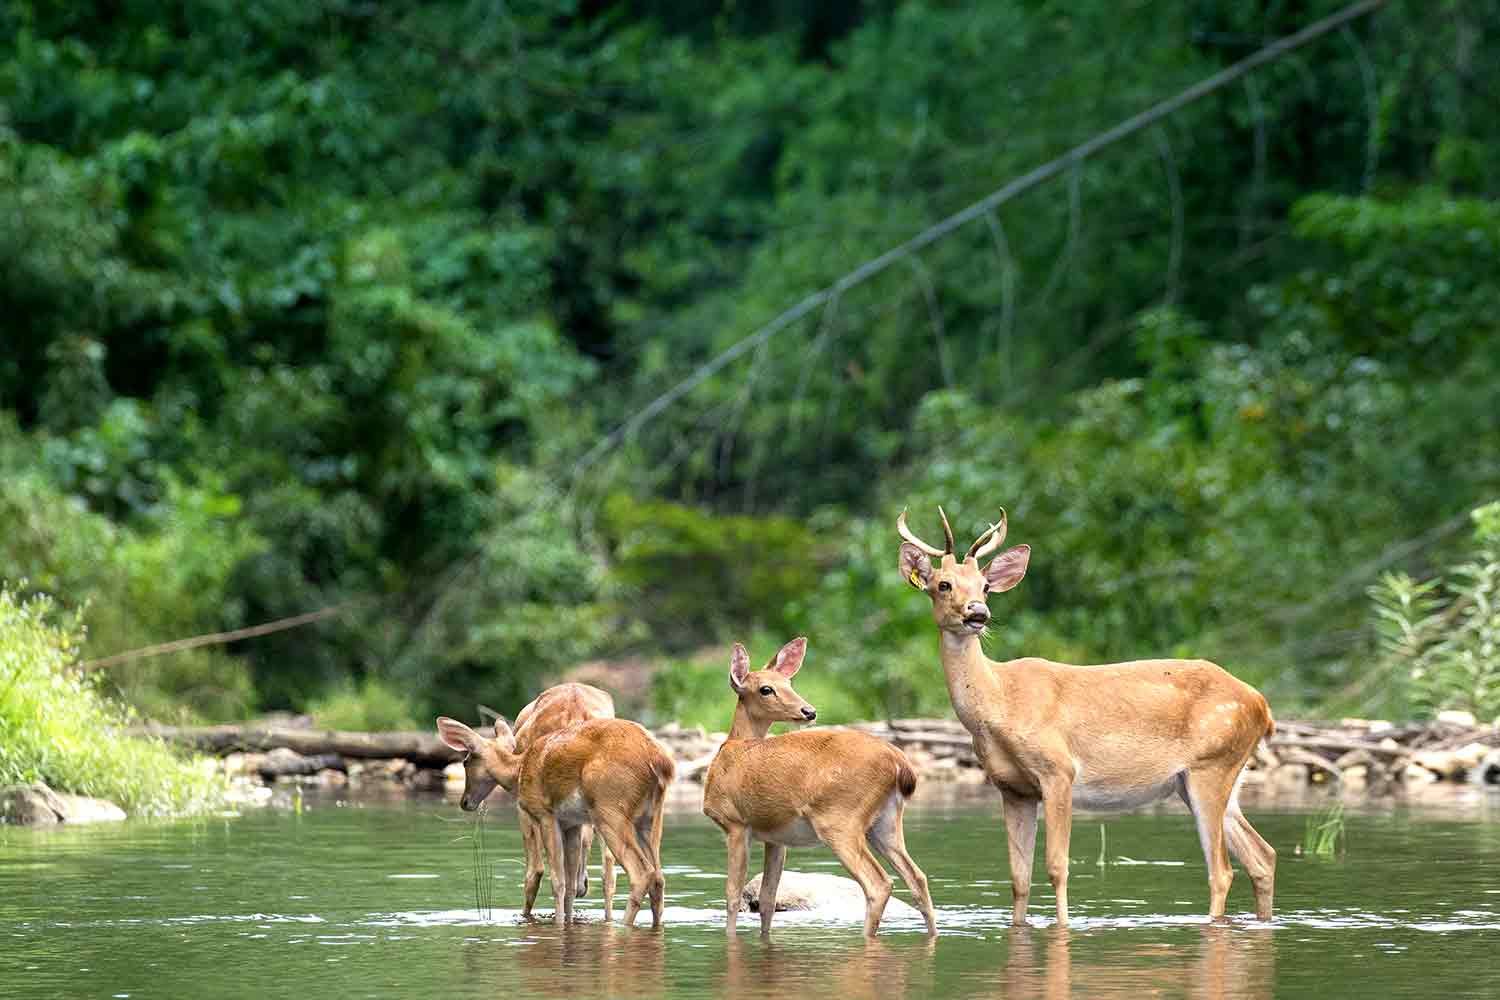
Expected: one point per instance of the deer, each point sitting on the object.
(1109, 736)
(606, 773)
(844, 788)
(556, 708)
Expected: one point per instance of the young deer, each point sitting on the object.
(556, 708)
(844, 788)
(1112, 736)
(608, 773)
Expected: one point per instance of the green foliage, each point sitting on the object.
(161, 577)
(1440, 638)
(696, 574)
(311, 305)
(371, 706)
(58, 727)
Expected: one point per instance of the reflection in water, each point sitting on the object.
(866, 968)
(1227, 964)
(580, 960)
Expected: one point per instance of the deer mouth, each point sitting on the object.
(976, 623)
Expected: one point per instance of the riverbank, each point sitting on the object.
(1371, 757)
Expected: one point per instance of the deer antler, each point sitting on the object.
(989, 541)
(911, 537)
(947, 530)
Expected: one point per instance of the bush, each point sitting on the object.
(372, 706)
(1440, 638)
(58, 728)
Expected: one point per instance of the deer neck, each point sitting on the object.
(972, 685)
(746, 728)
(504, 766)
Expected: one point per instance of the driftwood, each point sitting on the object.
(421, 748)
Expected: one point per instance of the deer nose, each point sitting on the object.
(809, 714)
(977, 609)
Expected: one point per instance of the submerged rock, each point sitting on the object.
(820, 893)
(38, 805)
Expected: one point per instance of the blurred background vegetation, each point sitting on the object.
(311, 303)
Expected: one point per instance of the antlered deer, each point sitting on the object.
(844, 788)
(608, 773)
(556, 708)
(1113, 736)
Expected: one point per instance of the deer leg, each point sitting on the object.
(557, 867)
(619, 834)
(1020, 832)
(1257, 857)
(739, 864)
(607, 867)
(889, 838)
(851, 849)
(770, 879)
(1057, 803)
(1207, 795)
(648, 835)
(531, 844)
(585, 841)
(572, 862)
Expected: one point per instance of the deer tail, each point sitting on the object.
(906, 778)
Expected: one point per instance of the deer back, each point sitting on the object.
(768, 783)
(559, 707)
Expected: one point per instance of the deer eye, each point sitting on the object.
(765, 689)
(944, 585)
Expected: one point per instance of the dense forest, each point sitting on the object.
(388, 308)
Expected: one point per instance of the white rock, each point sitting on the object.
(816, 892)
(1457, 718)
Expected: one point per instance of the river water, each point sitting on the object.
(348, 899)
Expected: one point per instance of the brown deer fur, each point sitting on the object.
(556, 708)
(846, 789)
(1111, 736)
(606, 772)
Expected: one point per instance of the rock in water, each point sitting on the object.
(38, 805)
(819, 893)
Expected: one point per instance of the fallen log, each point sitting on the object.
(421, 748)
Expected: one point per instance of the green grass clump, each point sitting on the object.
(1325, 835)
(57, 727)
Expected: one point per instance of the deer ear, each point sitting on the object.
(504, 736)
(739, 668)
(916, 567)
(789, 660)
(1007, 568)
(457, 736)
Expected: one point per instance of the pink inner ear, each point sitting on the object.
(1008, 568)
(789, 660)
(739, 665)
(456, 735)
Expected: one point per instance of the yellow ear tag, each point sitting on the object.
(915, 582)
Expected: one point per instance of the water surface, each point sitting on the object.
(353, 900)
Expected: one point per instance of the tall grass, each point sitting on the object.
(57, 727)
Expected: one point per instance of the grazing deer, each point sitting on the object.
(608, 773)
(556, 708)
(1112, 736)
(844, 788)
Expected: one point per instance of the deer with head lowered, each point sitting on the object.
(606, 773)
(558, 707)
(1110, 736)
(844, 788)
